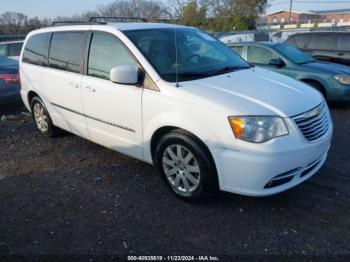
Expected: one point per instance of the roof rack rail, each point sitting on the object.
(117, 19)
(57, 23)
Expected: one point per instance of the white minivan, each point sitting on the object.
(177, 98)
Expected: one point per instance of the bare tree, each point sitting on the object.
(177, 7)
(150, 9)
(13, 21)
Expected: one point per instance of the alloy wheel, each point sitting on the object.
(41, 118)
(181, 168)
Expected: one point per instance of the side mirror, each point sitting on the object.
(277, 62)
(124, 74)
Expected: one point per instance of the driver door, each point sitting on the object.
(112, 111)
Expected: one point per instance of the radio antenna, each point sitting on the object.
(176, 64)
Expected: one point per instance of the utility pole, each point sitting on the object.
(290, 10)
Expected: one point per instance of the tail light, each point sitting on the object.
(10, 78)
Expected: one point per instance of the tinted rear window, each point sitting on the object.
(66, 51)
(323, 42)
(36, 49)
(15, 49)
(301, 41)
(343, 42)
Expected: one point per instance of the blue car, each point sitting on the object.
(9, 83)
(332, 80)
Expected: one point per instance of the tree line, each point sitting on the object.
(209, 15)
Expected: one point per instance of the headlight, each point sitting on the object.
(343, 79)
(257, 129)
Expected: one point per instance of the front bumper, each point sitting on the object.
(338, 92)
(271, 168)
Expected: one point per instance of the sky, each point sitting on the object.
(307, 5)
(52, 8)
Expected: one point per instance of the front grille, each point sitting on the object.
(315, 123)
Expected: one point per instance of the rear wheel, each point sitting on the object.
(42, 118)
(186, 166)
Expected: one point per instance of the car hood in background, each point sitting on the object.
(256, 91)
(331, 68)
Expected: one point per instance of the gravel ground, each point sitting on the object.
(69, 196)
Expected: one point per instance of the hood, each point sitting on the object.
(256, 91)
(331, 68)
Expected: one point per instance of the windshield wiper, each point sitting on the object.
(222, 70)
(227, 69)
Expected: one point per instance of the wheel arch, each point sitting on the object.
(161, 131)
(30, 96)
(318, 82)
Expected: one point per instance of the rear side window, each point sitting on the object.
(323, 42)
(343, 42)
(36, 49)
(106, 52)
(66, 51)
(15, 49)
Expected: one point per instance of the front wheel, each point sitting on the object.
(186, 166)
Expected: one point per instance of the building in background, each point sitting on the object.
(339, 16)
(282, 17)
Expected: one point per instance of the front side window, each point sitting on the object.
(193, 55)
(238, 49)
(106, 52)
(36, 49)
(260, 55)
(66, 51)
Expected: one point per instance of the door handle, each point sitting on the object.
(72, 84)
(90, 89)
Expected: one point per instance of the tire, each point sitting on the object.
(186, 166)
(42, 118)
(317, 86)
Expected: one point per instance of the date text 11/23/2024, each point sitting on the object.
(173, 258)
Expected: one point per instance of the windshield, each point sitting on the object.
(293, 54)
(198, 54)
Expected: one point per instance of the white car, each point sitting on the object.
(177, 98)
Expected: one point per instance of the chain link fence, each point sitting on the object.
(10, 99)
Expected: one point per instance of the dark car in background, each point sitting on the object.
(11, 49)
(328, 46)
(10, 98)
(332, 80)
